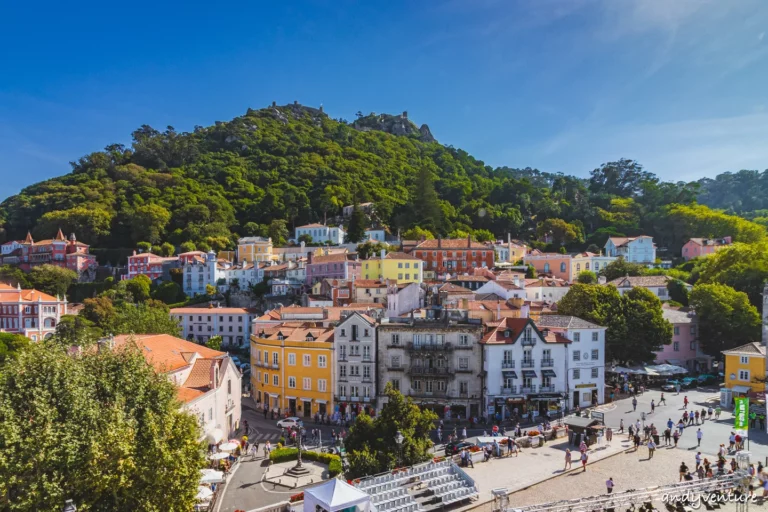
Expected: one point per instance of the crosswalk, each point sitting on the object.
(264, 437)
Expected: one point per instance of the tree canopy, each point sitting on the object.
(111, 429)
(726, 318)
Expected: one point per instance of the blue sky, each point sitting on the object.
(560, 85)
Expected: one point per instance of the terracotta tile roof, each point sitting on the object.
(546, 282)
(370, 283)
(490, 305)
(480, 279)
(453, 288)
(330, 258)
(717, 242)
(645, 281)
(211, 311)
(509, 330)
(565, 322)
(11, 294)
(200, 375)
(488, 297)
(275, 268)
(508, 285)
(299, 334)
(399, 256)
(187, 395)
(315, 225)
(452, 243)
(165, 352)
(755, 349)
(618, 241)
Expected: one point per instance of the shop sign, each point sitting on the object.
(582, 386)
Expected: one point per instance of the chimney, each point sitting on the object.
(498, 310)
(602, 280)
(439, 241)
(383, 253)
(469, 240)
(309, 257)
(509, 238)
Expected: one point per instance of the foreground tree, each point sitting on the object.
(11, 345)
(371, 441)
(357, 225)
(587, 277)
(103, 429)
(726, 318)
(678, 292)
(51, 279)
(621, 268)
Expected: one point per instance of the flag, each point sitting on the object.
(740, 413)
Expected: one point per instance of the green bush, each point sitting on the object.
(285, 454)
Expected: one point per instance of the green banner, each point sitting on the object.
(740, 413)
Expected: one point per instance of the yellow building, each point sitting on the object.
(589, 261)
(292, 369)
(395, 266)
(255, 248)
(745, 368)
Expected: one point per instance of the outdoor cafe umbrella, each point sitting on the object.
(214, 436)
(203, 493)
(211, 476)
(219, 456)
(228, 447)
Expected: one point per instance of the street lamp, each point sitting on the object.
(399, 440)
(69, 506)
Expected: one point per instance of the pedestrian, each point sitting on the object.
(662, 400)
(464, 432)
(703, 415)
(718, 410)
(698, 460)
(761, 419)
(609, 435)
(653, 406)
(667, 437)
(696, 416)
(676, 437)
(731, 442)
(637, 426)
(567, 460)
(710, 412)
(683, 471)
(621, 426)
(584, 461)
(631, 432)
(699, 435)
(685, 417)
(651, 448)
(739, 442)
(677, 388)
(637, 441)
(680, 427)
(265, 413)
(685, 402)
(609, 485)
(634, 404)
(670, 424)
(512, 445)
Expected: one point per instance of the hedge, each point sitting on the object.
(285, 454)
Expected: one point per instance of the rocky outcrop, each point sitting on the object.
(395, 125)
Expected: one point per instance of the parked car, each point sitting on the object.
(290, 422)
(690, 382)
(706, 378)
(456, 447)
(671, 385)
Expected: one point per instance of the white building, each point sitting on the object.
(403, 298)
(8, 247)
(378, 235)
(208, 383)
(200, 270)
(354, 365)
(655, 284)
(232, 324)
(525, 367)
(514, 289)
(585, 384)
(244, 274)
(548, 289)
(322, 234)
(637, 249)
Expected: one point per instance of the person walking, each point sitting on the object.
(699, 435)
(634, 404)
(464, 432)
(710, 412)
(698, 460)
(685, 402)
(731, 441)
(609, 485)
(670, 424)
(631, 432)
(653, 406)
(568, 456)
(761, 419)
(667, 437)
(703, 415)
(685, 418)
(662, 400)
(621, 426)
(696, 416)
(680, 427)
(609, 435)
(637, 441)
(651, 448)
(677, 388)
(718, 410)
(752, 419)
(683, 471)
(676, 437)
(584, 461)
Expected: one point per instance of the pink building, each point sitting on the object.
(550, 263)
(148, 264)
(57, 251)
(698, 247)
(29, 312)
(684, 350)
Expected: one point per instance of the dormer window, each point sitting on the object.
(310, 338)
(507, 333)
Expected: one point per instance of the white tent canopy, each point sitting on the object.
(336, 495)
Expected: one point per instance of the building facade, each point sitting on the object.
(585, 362)
(151, 265)
(551, 264)
(655, 284)
(199, 270)
(209, 385)
(638, 249)
(525, 369)
(354, 363)
(30, 312)
(394, 266)
(589, 261)
(452, 255)
(322, 234)
(200, 324)
(548, 289)
(332, 266)
(435, 362)
(700, 247)
(292, 370)
(684, 350)
(57, 251)
(254, 249)
(403, 298)
(745, 369)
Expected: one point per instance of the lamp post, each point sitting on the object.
(69, 506)
(399, 440)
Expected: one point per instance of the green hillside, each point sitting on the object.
(295, 164)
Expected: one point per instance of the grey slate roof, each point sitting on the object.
(565, 322)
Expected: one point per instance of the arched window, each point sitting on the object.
(586, 266)
(578, 267)
(546, 268)
(562, 267)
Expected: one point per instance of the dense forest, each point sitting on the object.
(279, 167)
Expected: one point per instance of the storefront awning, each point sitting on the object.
(548, 373)
(743, 390)
(509, 374)
(320, 401)
(529, 374)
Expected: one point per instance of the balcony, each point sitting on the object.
(422, 347)
(526, 391)
(505, 365)
(527, 363)
(423, 370)
(463, 370)
(230, 406)
(342, 357)
(366, 358)
(341, 398)
(275, 366)
(258, 363)
(396, 368)
(547, 389)
(463, 347)
(528, 342)
(343, 378)
(367, 379)
(428, 394)
(547, 363)
(508, 391)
